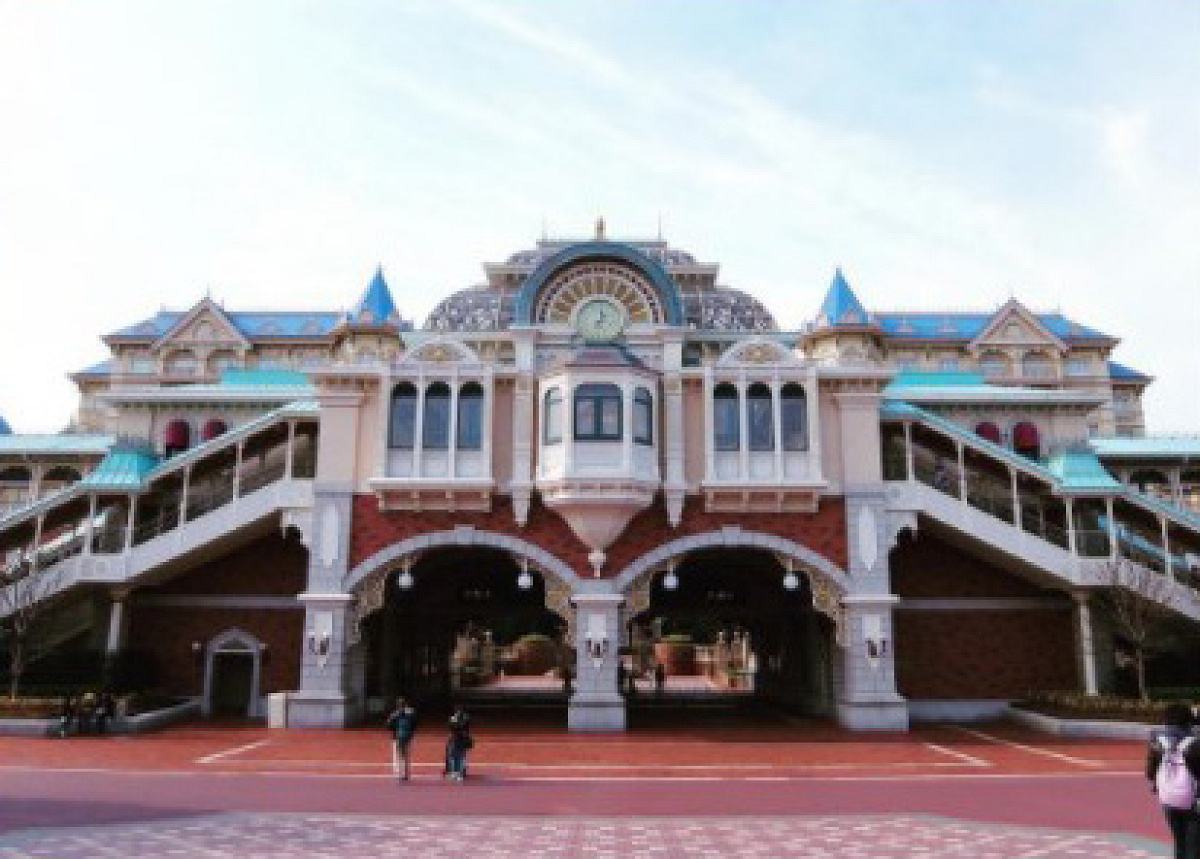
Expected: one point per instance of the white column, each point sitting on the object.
(1086, 642)
(89, 528)
(710, 471)
(909, 466)
(1016, 497)
(744, 435)
(626, 428)
(35, 481)
(116, 623)
(777, 425)
(1175, 477)
(452, 441)
(812, 392)
(488, 382)
(1113, 549)
(288, 466)
(1168, 567)
(419, 430)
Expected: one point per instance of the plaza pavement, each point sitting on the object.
(710, 785)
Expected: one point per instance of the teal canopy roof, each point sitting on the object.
(79, 443)
(1082, 471)
(1162, 447)
(264, 379)
(841, 306)
(125, 467)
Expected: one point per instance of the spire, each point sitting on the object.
(376, 305)
(841, 306)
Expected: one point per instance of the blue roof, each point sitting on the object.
(841, 306)
(1120, 371)
(104, 368)
(376, 304)
(969, 325)
(125, 467)
(5, 429)
(283, 323)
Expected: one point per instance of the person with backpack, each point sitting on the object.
(1173, 768)
(458, 744)
(402, 724)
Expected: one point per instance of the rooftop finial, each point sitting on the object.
(600, 229)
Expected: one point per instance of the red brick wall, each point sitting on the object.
(983, 654)
(975, 653)
(373, 529)
(270, 566)
(168, 632)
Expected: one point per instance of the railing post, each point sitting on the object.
(132, 521)
(89, 528)
(1164, 527)
(38, 524)
(288, 463)
(237, 468)
(183, 495)
(1114, 550)
(1072, 537)
(1016, 498)
(962, 471)
(909, 466)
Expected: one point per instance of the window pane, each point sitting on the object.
(585, 418)
(404, 419)
(725, 424)
(643, 420)
(762, 436)
(470, 422)
(610, 418)
(793, 419)
(436, 434)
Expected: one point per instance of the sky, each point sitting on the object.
(946, 154)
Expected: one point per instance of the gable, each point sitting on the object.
(1014, 325)
(204, 325)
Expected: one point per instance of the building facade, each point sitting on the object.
(596, 468)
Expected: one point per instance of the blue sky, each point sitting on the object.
(945, 154)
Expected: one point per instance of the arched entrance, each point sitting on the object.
(232, 672)
(733, 624)
(468, 623)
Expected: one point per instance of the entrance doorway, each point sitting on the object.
(732, 626)
(233, 676)
(466, 624)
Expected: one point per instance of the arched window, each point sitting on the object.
(643, 416)
(177, 437)
(470, 417)
(762, 421)
(553, 417)
(989, 431)
(402, 421)
(727, 417)
(61, 474)
(435, 422)
(1026, 440)
(597, 413)
(212, 429)
(793, 417)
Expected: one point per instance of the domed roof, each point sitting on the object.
(474, 309)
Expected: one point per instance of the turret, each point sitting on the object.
(843, 332)
(371, 330)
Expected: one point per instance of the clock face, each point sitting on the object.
(599, 319)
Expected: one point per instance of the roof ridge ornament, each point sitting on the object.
(600, 236)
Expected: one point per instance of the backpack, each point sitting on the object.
(1174, 782)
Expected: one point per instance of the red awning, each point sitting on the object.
(178, 435)
(990, 431)
(212, 429)
(1025, 436)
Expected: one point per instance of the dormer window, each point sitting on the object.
(597, 413)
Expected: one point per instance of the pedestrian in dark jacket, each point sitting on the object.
(66, 716)
(1176, 742)
(458, 744)
(105, 705)
(403, 725)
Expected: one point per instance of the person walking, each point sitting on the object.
(403, 725)
(1173, 769)
(66, 715)
(105, 705)
(458, 744)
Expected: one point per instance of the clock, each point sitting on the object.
(599, 320)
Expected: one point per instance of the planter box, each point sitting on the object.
(1094, 728)
(139, 724)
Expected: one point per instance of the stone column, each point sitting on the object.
(118, 624)
(596, 705)
(323, 700)
(867, 699)
(1085, 643)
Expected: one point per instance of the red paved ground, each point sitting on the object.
(706, 765)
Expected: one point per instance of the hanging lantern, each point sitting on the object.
(524, 579)
(670, 581)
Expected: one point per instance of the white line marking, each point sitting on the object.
(1033, 750)
(495, 765)
(216, 756)
(969, 760)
